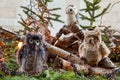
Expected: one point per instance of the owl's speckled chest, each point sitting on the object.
(92, 56)
(31, 60)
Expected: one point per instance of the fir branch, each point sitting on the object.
(104, 10)
(88, 8)
(54, 9)
(84, 17)
(30, 11)
(96, 2)
(50, 18)
(22, 23)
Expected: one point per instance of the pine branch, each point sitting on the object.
(54, 9)
(83, 17)
(88, 8)
(30, 11)
(22, 23)
(91, 8)
(50, 18)
(56, 15)
(97, 8)
(87, 2)
(104, 10)
(96, 2)
(86, 27)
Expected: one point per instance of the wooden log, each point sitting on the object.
(62, 53)
(72, 28)
(85, 68)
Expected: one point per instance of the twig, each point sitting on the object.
(108, 11)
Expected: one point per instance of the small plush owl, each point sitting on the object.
(72, 14)
(93, 49)
(31, 57)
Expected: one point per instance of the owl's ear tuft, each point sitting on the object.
(40, 37)
(28, 35)
(97, 30)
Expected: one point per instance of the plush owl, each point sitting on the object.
(93, 49)
(31, 57)
(71, 12)
(72, 27)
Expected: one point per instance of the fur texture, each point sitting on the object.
(31, 57)
(93, 49)
(72, 27)
(71, 12)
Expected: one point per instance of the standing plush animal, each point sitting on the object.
(72, 27)
(31, 57)
(72, 13)
(70, 34)
(93, 49)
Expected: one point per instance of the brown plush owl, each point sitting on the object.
(31, 57)
(93, 49)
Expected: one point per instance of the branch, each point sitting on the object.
(84, 17)
(62, 53)
(103, 12)
(54, 9)
(86, 69)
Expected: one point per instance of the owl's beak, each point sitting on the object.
(90, 41)
(35, 45)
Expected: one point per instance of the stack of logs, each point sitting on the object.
(66, 50)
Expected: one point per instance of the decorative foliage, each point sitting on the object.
(39, 16)
(91, 8)
(10, 56)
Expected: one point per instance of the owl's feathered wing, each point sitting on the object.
(42, 51)
(21, 54)
(104, 50)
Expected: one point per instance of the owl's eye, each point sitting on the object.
(37, 42)
(30, 40)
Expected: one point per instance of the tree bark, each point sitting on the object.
(85, 68)
(62, 53)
